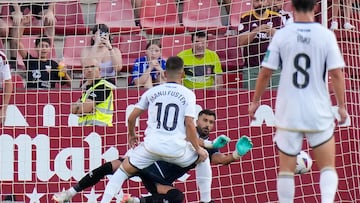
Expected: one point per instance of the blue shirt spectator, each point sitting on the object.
(149, 70)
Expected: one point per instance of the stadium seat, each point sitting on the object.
(237, 9)
(232, 79)
(228, 50)
(118, 15)
(73, 46)
(160, 17)
(69, 18)
(174, 44)
(29, 45)
(131, 47)
(200, 15)
(18, 81)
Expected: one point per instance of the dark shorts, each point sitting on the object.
(161, 173)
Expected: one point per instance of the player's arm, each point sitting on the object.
(338, 81)
(193, 139)
(191, 132)
(133, 138)
(261, 84)
(242, 147)
(8, 88)
(220, 158)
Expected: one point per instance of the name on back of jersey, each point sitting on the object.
(179, 96)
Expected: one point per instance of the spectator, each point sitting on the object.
(4, 28)
(256, 29)
(5, 81)
(202, 66)
(149, 70)
(336, 12)
(278, 6)
(96, 105)
(43, 12)
(42, 72)
(101, 49)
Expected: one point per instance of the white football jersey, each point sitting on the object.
(5, 73)
(168, 104)
(305, 52)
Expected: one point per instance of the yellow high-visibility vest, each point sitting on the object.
(103, 111)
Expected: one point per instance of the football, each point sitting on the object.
(303, 163)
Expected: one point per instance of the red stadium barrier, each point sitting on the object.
(48, 155)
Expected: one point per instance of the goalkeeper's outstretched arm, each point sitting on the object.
(243, 146)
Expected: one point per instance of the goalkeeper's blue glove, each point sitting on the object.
(243, 146)
(218, 143)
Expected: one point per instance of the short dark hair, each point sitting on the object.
(42, 38)
(153, 41)
(199, 33)
(207, 112)
(174, 64)
(303, 5)
(103, 28)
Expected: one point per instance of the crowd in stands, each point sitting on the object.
(204, 67)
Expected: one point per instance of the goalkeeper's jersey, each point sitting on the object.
(168, 104)
(305, 52)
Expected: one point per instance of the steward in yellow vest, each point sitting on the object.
(96, 105)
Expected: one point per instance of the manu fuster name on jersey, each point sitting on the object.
(181, 98)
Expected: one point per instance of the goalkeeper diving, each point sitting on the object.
(159, 177)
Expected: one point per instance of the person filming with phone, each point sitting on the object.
(101, 49)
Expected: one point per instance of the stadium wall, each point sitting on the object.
(41, 152)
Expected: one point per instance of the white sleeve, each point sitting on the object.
(334, 59)
(5, 68)
(143, 102)
(190, 109)
(272, 56)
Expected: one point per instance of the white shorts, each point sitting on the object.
(142, 158)
(290, 142)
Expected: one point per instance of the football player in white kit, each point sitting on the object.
(306, 52)
(170, 125)
(6, 83)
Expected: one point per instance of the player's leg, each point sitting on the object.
(203, 180)
(323, 145)
(163, 193)
(88, 180)
(289, 145)
(139, 158)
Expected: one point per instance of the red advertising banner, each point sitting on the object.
(42, 151)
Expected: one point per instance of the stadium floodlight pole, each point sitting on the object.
(324, 14)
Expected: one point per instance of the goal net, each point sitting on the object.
(44, 151)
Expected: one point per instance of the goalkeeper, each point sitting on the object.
(158, 177)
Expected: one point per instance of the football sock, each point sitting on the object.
(175, 196)
(203, 180)
(114, 185)
(286, 187)
(94, 177)
(328, 184)
(172, 196)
